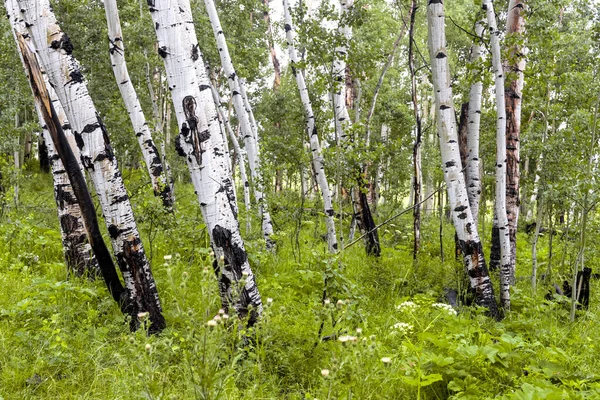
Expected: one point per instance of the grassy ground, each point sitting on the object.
(65, 338)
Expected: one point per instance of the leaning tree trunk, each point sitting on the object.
(244, 116)
(75, 174)
(515, 28)
(77, 250)
(64, 73)
(271, 43)
(141, 128)
(311, 129)
(473, 122)
(506, 273)
(201, 142)
(457, 192)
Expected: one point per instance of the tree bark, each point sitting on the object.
(64, 73)
(245, 116)
(77, 250)
(311, 129)
(271, 43)
(515, 27)
(75, 175)
(416, 156)
(473, 164)
(457, 192)
(141, 128)
(507, 275)
(201, 142)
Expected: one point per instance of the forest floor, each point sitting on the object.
(65, 338)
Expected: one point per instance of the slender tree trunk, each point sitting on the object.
(65, 75)
(507, 275)
(236, 148)
(473, 122)
(141, 128)
(271, 43)
(515, 28)
(457, 192)
(77, 250)
(536, 237)
(311, 129)
(417, 184)
(75, 174)
(380, 170)
(245, 116)
(202, 144)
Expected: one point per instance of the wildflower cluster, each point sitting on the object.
(445, 307)
(407, 306)
(403, 327)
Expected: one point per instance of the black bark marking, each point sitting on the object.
(162, 51)
(450, 164)
(76, 76)
(63, 43)
(441, 54)
(195, 52)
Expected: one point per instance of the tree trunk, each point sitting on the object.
(417, 184)
(201, 142)
(65, 75)
(77, 250)
(473, 122)
(271, 43)
(141, 128)
(515, 28)
(43, 154)
(311, 129)
(507, 274)
(75, 174)
(245, 116)
(457, 192)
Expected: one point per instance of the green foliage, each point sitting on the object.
(387, 334)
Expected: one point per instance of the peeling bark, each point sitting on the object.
(64, 73)
(77, 250)
(457, 192)
(311, 129)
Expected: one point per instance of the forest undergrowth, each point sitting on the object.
(388, 333)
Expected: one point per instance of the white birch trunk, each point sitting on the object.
(311, 129)
(506, 277)
(473, 123)
(150, 154)
(202, 143)
(457, 192)
(54, 50)
(236, 147)
(340, 111)
(249, 130)
(515, 27)
(77, 250)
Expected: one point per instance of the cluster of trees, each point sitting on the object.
(354, 119)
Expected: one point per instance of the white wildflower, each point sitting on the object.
(325, 373)
(445, 307)
(407, 306)
(403, 327)
(168, 257)
(211, 323)
(269, 301)
(148, 347)
(386, 360)
(344, 338)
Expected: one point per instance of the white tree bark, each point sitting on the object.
(245, 116)
(236, 147)
(473, 123)
(78, 252)
(150, 154)
(54, 50)
(340, 111)
(202, 144)
(501, 218)
(311, 129)
(457, 192)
